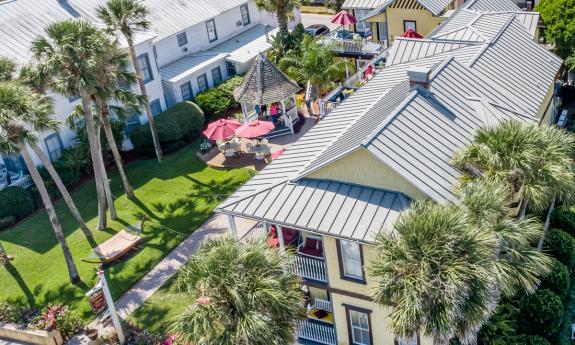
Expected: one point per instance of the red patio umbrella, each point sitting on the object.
(343, 18)
(278, 153)
(254, 129)
(410, 33)
(368, 71)
(221, 129)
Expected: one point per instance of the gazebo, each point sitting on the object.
(263, 87)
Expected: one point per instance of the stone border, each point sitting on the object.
(30, 336)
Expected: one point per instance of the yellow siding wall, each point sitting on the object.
(425, 21)
(361, 167)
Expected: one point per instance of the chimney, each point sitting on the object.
(419, 77)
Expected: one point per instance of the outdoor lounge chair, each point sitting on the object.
(116, 246)
(311, 247)
(290, 236)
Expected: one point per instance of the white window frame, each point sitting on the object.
(407, 25)
(351, 258)
(51, 152)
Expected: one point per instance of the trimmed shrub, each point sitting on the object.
(17, 202)
(541, 313)
(527, 340)
(182, 121)
(214, 102)
(564, 218)
(558, 281)
(561, 245)
(7, 222)
(231, 84)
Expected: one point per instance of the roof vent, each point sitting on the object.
(419, 77)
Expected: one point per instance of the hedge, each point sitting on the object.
(558, 280)
(561, 245)
(182, 121)
(564, 218)
(17, 202)
(214, 102)
(527, 340)
(541, 313)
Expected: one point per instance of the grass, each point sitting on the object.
(179, 193)
(163, 305)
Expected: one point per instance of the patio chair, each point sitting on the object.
(265, 141)
(249, 147)
(312, 246)
(290, 236)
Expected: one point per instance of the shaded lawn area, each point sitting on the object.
(162, 306)
(178, 193)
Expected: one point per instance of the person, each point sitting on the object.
(258, 110)
(264, 110)
(274, 113)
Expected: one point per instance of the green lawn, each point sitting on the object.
(176, 193)
(165, 304)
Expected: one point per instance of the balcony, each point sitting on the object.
(316, 332)
(345, 42)
(308, 261)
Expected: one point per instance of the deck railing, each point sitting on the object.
(360, 46)
(319, 333)
(256, 233)
(323, 305)
(309, 268)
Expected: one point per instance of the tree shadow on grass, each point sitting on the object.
(21, 283)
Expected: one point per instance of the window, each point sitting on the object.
(212, 33)
(358, 325)
(132, 122)
(217, 75)
(156, 107)
(245, 14)
(54, 146)
(145, 67)
(182, 39)
(362, 26)
(202, 82)
(409, 24)
(230, 68)
(187, 92)
(351, 260)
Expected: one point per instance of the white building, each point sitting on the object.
(192, 45)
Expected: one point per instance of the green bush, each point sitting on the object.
(7, 222)
(561, 245)
(527, 340)
(17, 202)
(541, 313)
(558, 281)
(182, 121)
(564, 218)
(214, 102)
(231, 84)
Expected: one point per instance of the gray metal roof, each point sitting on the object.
(436, 7)
(328, 207)
(264, 83)
(241, 49)
(416, 132)
(21, 21)
(491, 5)
(364, 4)
(411, 49)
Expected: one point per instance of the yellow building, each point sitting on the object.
(346, 180)
(388, 19)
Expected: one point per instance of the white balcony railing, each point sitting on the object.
(309, 268)
(256, 233)
(319, 333)
(323, 305)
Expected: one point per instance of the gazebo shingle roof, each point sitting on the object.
(264, 83)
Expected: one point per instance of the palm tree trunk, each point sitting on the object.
(3, 256)
(62, 189)
(151, 120)
(523, 211)
(105, 180)
(72, 271)
(440, 340)
(282, 21)
(546, 224)
(94, 152)
(115, 152)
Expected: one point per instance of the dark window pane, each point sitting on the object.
(245, 14)
(145, 68)
(202, 82)
(212, 32)
(217, 76)
(187, 92)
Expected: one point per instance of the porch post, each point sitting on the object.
(266, 228)
(245, 112)
(286, 116)
(233, 230)
(281, 238)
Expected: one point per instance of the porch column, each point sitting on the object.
(281, 238)
(266, 228)
(245, 112)
(286, 116)
(233, 230)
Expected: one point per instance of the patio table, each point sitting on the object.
(261, 151)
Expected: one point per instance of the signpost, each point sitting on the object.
(100, 297)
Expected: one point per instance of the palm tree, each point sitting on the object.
(114, 65)
(7, 68)
(4, 258)
(243, 296)
(283, 9)
(69, 56)
(432, 269)
(128, 17)
(22, 108)
(314, 64)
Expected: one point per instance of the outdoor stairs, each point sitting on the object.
(280, 131)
